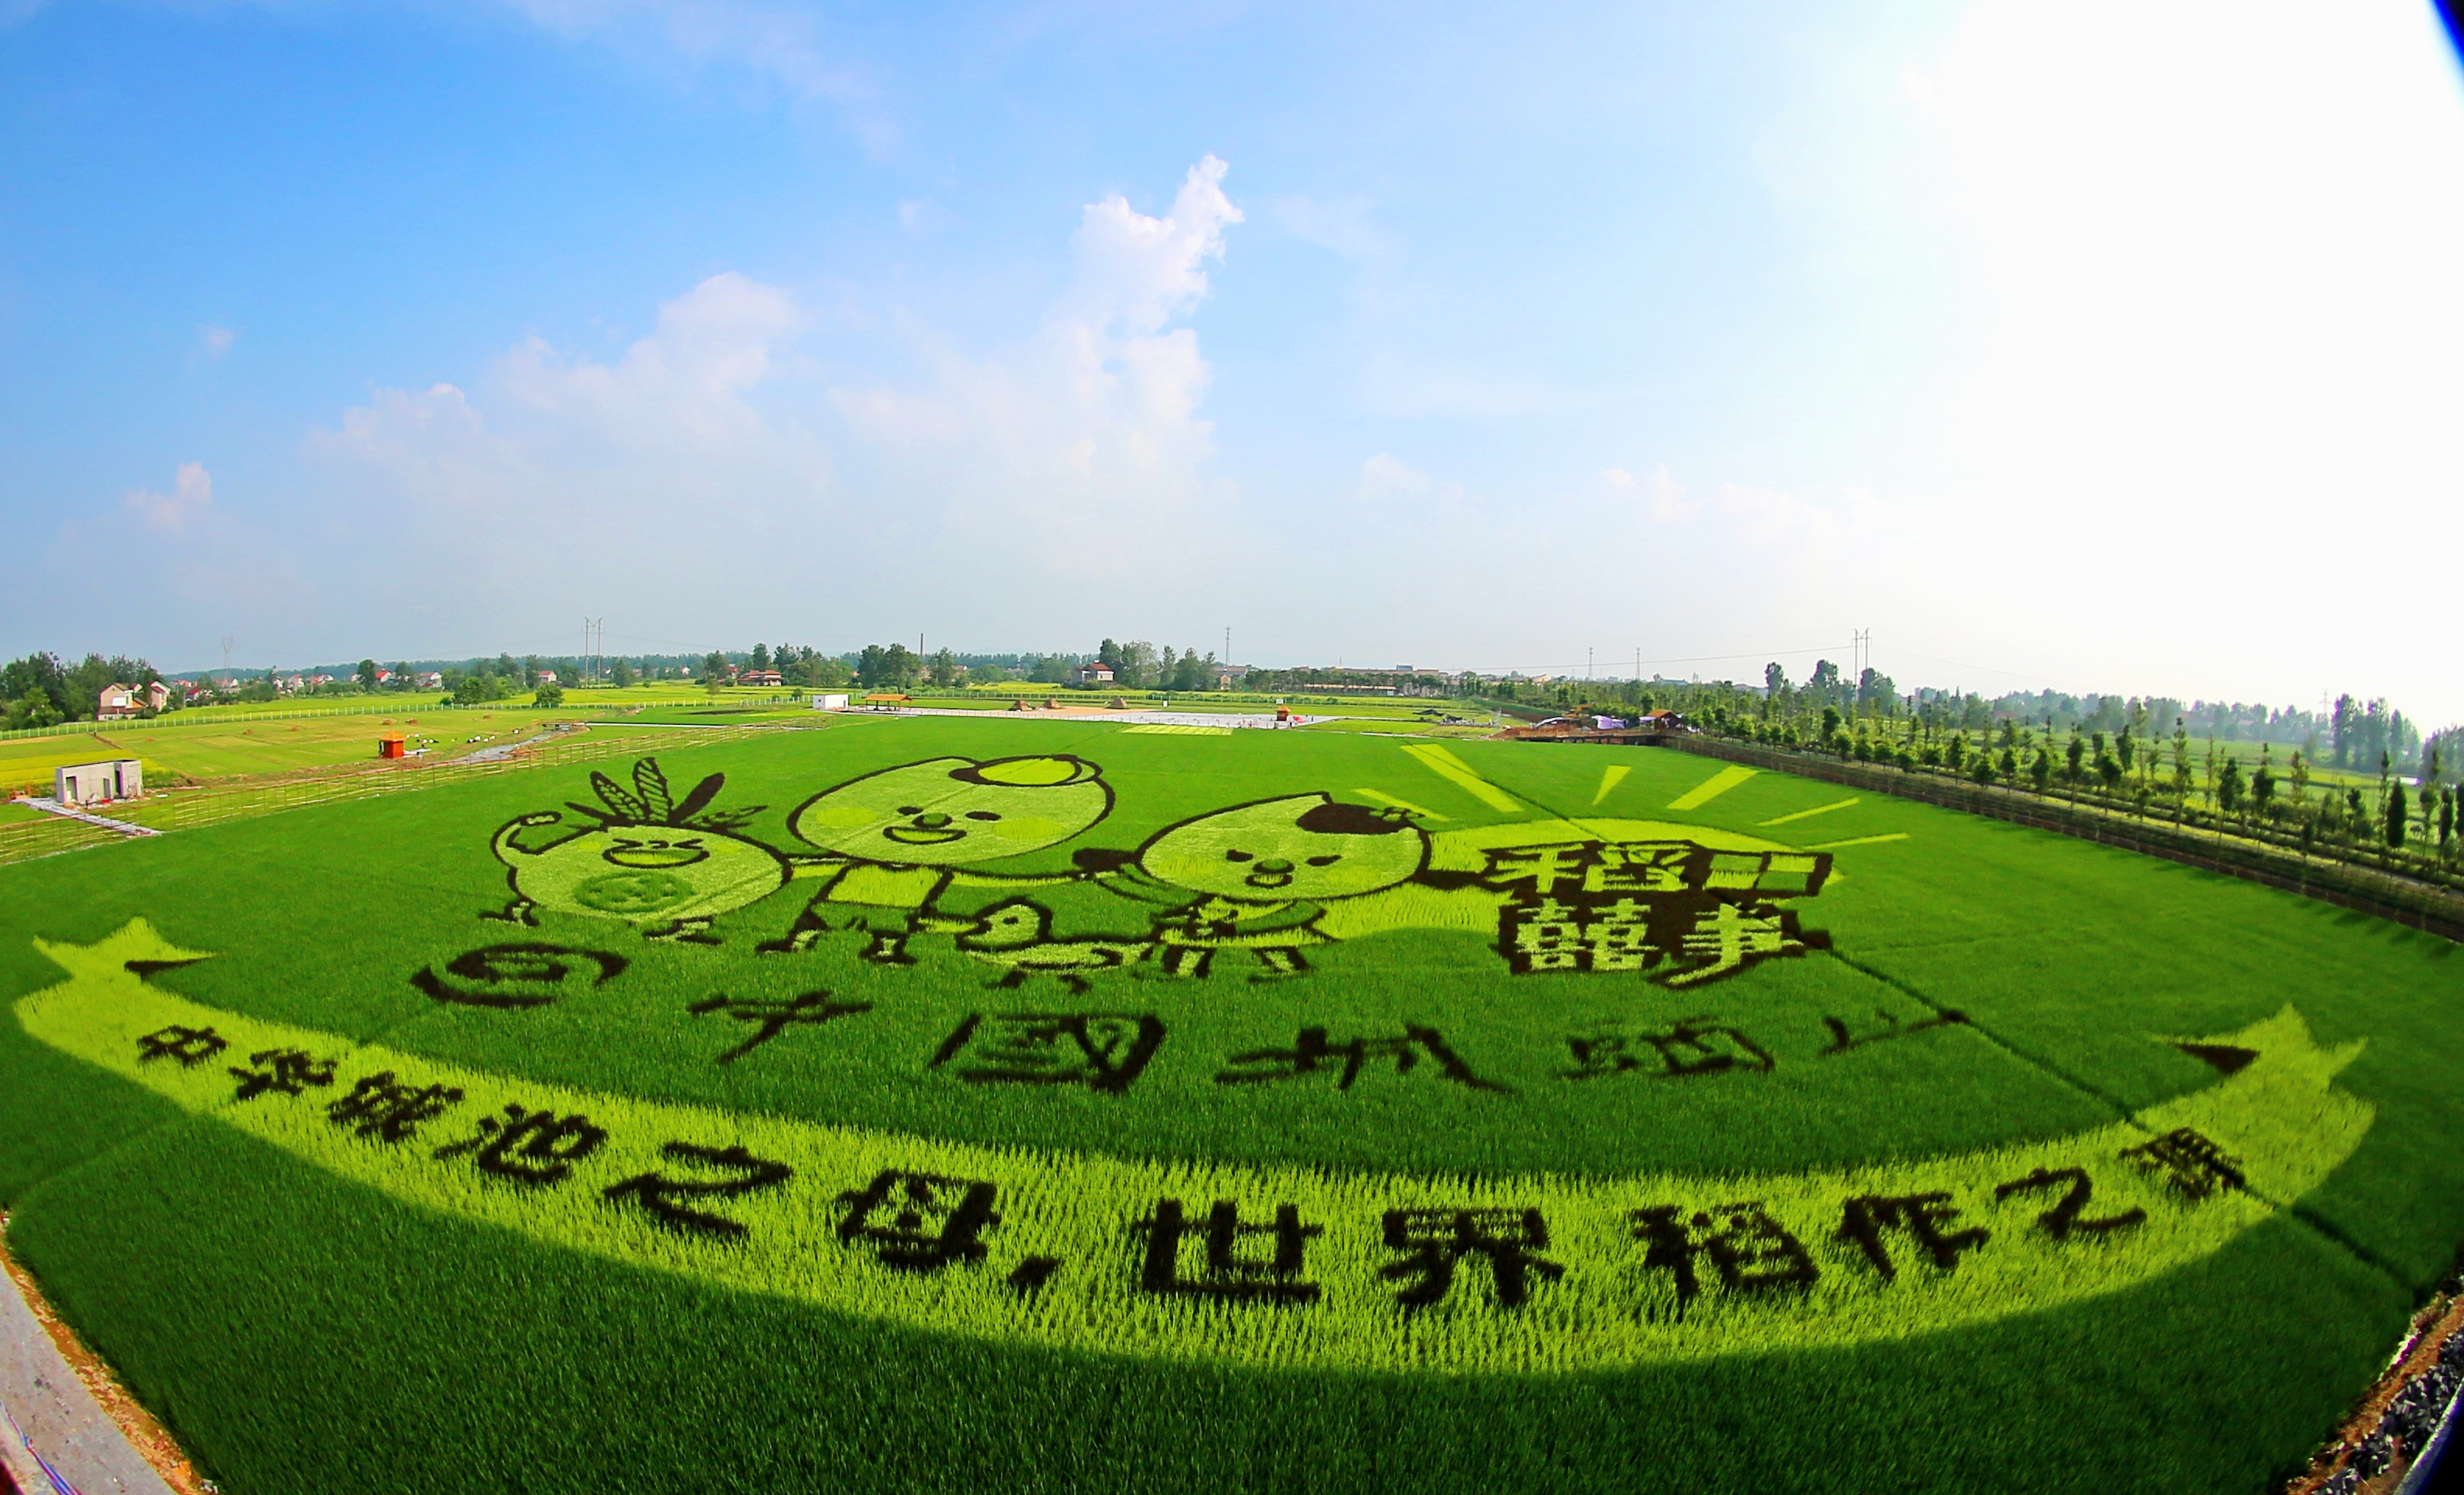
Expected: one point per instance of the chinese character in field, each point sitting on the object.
(1616, 936)
(921, 1222)
(1312, 1054)
(1844, 1039)
(2064, 1219)
(1645, 866)
(1778, 874)
(1749, 1250)
(2195, 1166)
(530, 1147)
(667, 1199)
(1687, 1046)
(389, 1111)
(525, 974)
(1268, 1272)
(1596, 934)
(1541, 871)
(1434, 1243)
(1726, 937)
(285, 1072)
(1922, 1216)
(190, 1046)
(1104, 1051)
(774, 1018)
(1547, 936)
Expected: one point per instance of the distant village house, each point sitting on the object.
(127, 700)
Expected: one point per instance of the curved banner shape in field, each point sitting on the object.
(1288, 1267)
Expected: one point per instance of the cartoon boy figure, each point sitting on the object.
(893, 841)
(1260, 877)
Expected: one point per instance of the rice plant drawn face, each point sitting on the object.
(1305, 846)
(649, 857)
(945, 811)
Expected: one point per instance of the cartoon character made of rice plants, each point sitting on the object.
(668, 867)
(1278, 877)
(1263, 877)
(891, 842)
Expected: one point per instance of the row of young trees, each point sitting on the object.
(2391, 824)
(2144, 756)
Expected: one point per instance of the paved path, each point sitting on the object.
(47, 1403)
(489, 754)
(51, 806)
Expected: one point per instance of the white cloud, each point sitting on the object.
(1083, 448)
(1137, 273)
(698, 469)
(781, 46)
(215, 341)
(191, 497)
(1339, 224)
(1386, 477)
(923, 218)
(685, 383)
(1664, 498)
(610, 466)
(1415, 388)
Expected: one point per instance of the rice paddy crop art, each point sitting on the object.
(1089, 1108)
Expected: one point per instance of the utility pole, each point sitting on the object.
(227, 644)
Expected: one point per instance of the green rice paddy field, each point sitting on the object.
(949, 1104)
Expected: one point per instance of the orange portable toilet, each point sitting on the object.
(390, 745)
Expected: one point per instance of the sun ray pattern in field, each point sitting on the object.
(1445, 765)
(1711, 788)
(1401, 805)
(1819, 809)
(1861, 840)
(1609, 777)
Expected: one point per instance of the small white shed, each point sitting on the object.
(95, 783)
(829, 703)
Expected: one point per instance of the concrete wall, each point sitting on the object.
(92, 783)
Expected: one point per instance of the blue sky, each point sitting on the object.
(2101, 346)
